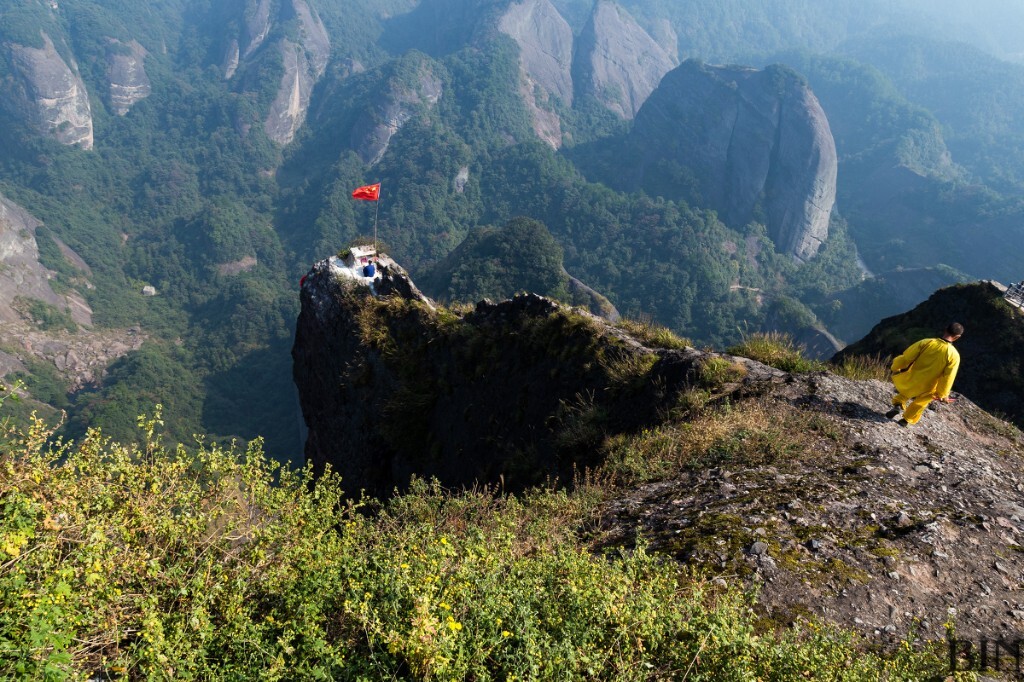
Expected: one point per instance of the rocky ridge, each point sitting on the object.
(798, 484)
(880, 528)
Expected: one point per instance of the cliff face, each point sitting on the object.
(304, 63)
(21, 275)
(304, 58)
(617, 61)
(81, 356)
(390, 386)
(126, 72)
(757, 143)
(545, 59)
(50, 94)
(394, 106)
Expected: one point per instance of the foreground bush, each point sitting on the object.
(139, 562)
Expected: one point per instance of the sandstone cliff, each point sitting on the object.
(21, 275)
(617, 61)
(303, 55)
(757, 144)
(392, 108)
(545, 58)
(304, 63)
(50, 94)
(126, 71)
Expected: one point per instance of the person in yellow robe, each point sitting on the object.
(923, 373)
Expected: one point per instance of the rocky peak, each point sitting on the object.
(126, 72)
(50, 94)
(392, 385)
(545, 43)
(617, 61)
(757, 143)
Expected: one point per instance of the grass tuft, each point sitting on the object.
(863, 367)
(777, 350)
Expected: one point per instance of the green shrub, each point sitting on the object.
(139, 562)
(44, 315)
(777, 350)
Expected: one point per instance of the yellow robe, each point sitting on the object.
(930, 368)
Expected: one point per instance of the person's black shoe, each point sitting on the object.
(893, 412)
(904, 423)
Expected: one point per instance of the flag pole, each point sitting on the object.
(376, 208)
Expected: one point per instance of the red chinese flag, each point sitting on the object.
(367, 192)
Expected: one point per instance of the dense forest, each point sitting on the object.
(189, 194)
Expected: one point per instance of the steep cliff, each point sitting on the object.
(295, 34)
(39, 324)
(392, 386)
(392, 107)
(126, 71)
(50, 94)
(21, 276)
(756, 144)
(304, 64)
(545, 43)
(617, 61)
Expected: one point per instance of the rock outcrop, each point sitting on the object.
(545, 59)
(617, 61)
(304, 63)
(126, 71)
(394, 107)
(21, 274)
(757, 143)
(391, 386)
(878, 528)
(795, 483)
(50, 94)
